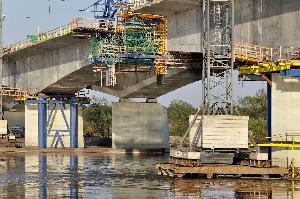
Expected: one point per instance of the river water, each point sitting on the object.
(119, 176)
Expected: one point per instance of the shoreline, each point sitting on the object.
(79, 151)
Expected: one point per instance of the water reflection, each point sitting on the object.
(119, 176)
(42, 176)
(74, 176)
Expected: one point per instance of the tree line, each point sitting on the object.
(98, 116)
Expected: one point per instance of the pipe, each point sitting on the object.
(42, 134)
(73, 125)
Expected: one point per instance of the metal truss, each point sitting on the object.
(218, 57)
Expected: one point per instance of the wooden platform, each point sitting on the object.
(212, 170)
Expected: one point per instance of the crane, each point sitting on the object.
(104, 9)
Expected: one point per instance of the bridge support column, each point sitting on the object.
(73, 125)
(139, 126)
(56, 120)
(285, 113)
(42, 111)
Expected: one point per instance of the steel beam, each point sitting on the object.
(269, 116)
(73, 125)
(42, 120)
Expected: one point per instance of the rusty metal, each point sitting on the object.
(184, 162)
(220, 170)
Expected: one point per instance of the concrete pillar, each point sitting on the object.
(139, 126)
(42, 117)
(285, 117)
(73, 125)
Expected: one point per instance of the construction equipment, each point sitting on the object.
(217, 80)
(254, 59)
(104, 9)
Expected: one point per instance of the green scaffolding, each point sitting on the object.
(135, 43)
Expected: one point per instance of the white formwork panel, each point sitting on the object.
(221, 132)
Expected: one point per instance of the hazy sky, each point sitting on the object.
(23, 17)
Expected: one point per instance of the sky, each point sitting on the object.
(24, 17)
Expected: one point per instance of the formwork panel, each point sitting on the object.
(220, 132)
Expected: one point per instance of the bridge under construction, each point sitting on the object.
(145, 49)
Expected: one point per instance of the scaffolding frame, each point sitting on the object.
(218, 54)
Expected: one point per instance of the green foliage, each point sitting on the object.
(256, 108)
(97, 118)
(178, 116)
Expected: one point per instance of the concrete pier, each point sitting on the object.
(285, 117)
(31, 127)
(139, 126)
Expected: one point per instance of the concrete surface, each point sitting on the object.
(3, 127)
(265, 22)
(66, 69)
(285, 116)
(139, 126)
(220, 132)
(31, 127)
(35, 71)
(15, 116)
(135, 85)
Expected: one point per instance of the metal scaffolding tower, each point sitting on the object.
(218, 57)
(1, 63)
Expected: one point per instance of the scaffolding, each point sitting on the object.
(137, 39)
(218, 57)
(255, 59)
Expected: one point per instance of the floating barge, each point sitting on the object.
(216, 171)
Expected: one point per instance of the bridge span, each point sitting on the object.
(85, 54)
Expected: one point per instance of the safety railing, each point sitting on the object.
(15, 92)
(102, 25)
(139, 3)
(260, 54)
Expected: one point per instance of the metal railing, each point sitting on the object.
(15, 92)
(255, 53)
(58, 32)
(139, 3)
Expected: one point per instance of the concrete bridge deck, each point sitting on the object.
(256, 22)
(59, 62)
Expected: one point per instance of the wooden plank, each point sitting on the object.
(232, 170)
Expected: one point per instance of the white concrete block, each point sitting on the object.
(258, 156)
(220, 131)
(3, 127)
(190, 155)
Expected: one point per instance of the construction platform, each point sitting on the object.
(221, 170)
